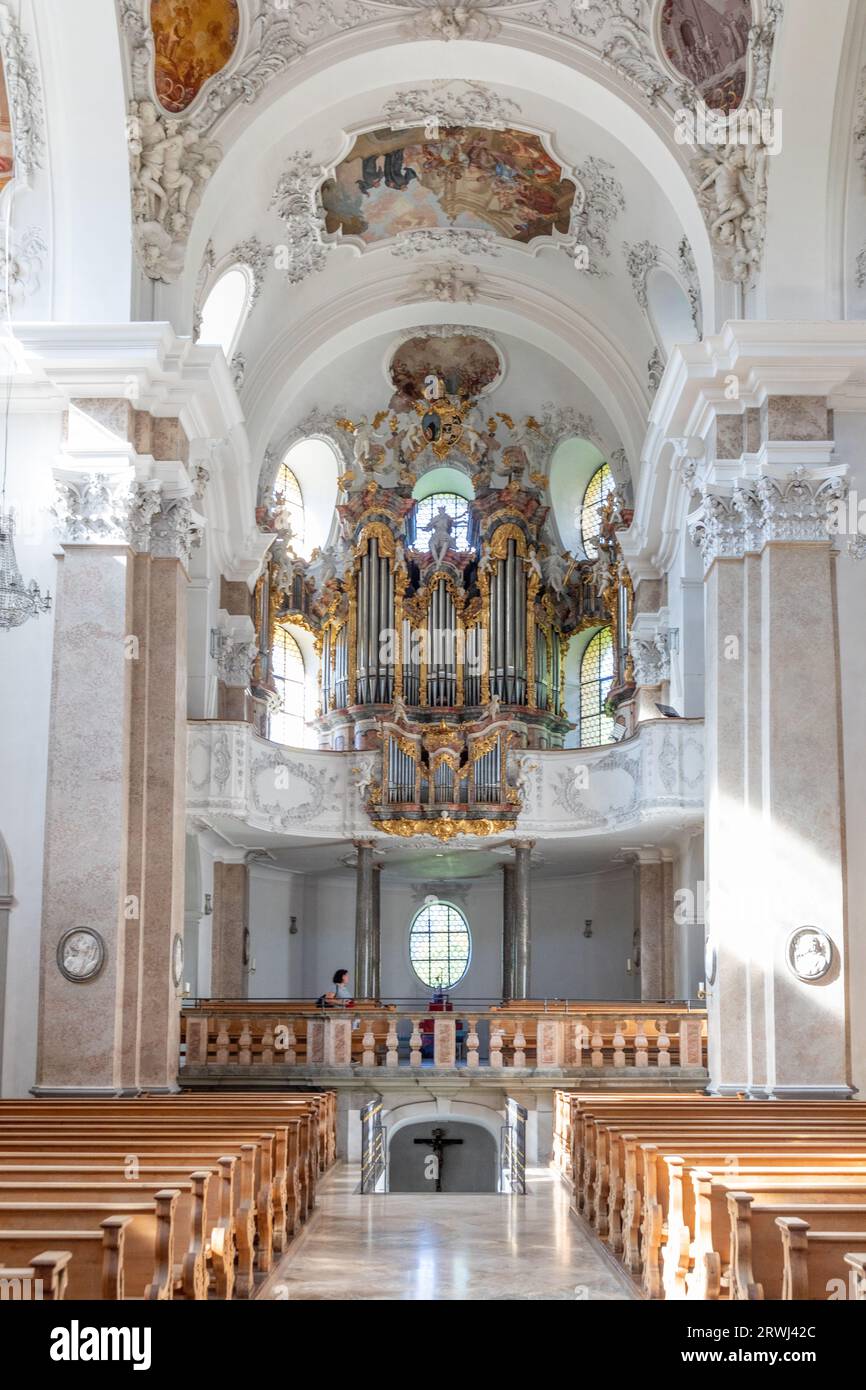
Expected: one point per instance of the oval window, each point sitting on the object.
(439, 945)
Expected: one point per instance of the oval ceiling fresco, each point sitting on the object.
(501, 181)
(467, 364)
(193, 40)
(707, 42)
(7, 160)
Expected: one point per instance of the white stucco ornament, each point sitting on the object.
(809, 953)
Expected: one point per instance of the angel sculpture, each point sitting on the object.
(364, 776)
(534, 566)
(440, 529)
(556, 571)
(494, 707)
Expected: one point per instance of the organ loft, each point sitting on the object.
(442, 625)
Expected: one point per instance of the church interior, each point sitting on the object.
(431, 823)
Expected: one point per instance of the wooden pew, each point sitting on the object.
(44, 1279)
(756, 1265)
(813, 1258)
(97, 1258)
(196, 1213)
(149, 1235)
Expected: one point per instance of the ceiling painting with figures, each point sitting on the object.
(707, 42)
(499, 181)
(193, 40)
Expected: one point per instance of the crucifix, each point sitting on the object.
(437, 1143)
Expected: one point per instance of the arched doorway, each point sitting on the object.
(469, 1158)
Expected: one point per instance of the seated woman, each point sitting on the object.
(339, 996)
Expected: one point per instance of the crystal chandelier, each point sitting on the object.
(18, 601)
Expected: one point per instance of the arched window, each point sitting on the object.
(288, 490)
(286, 724)
(598, 489)
(457, 508)
(596, 678)
(225, 309)
(439, 945)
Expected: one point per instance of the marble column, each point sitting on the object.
(522, 918)
(230, 975)
(649, 921)
(364, 924)
(237, 633)
(507, 931)
(778, 1021)
(86, 821)
(376, 967)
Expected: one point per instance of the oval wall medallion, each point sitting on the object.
(177, 959)
(80, 954)
(809, 953)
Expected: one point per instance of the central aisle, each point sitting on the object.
(471, 1247)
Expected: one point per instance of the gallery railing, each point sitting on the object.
(255, 1035)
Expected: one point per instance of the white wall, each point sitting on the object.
(25, 691)
(564, 963)
(275, 896)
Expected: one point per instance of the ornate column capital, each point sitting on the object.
(800, 505)
(651, 655)
(237, 650)
(116, 509)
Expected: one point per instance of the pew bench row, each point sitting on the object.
(708, 1198)
(184, 1197)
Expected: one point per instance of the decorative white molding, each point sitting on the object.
(655, 371)
(237, 650)
(205, 271)
(640, 259)
(24, 273)
(689, 271)
(651, 650)
(655, 778)
(169, 167)
(176, 530)
(464, 21)
(802, 505)
(25, 97)
(258, 259)
(598, 202)
(238, 369)
(296, 199)
(453, 241)
(450, 102)
(731, 185)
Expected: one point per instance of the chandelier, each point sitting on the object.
(18, 601)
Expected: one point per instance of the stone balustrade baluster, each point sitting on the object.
(245, 1044)
(664, 1042)
(581, 1041)
(519, 1046)
(391, 1043)
(267, 1054)
(619, 1045)
(222, 1042)
(641, 1044)
(368, 1043)
(472, 1058)
(415, 1044)
(497, 1038)
(596, 1042)
(291, 1046)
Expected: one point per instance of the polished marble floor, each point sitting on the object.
(479, 1247)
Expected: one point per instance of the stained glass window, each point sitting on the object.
(598, 489)
(439, 945)
(596, 678)
(458, 510)
(288, 489)
(286, 724)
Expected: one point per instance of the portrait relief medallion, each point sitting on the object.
(809, 953)
(80, 954)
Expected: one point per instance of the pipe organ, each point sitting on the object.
(441, 660)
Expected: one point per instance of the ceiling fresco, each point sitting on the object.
(6, 146)
(707, 42)
(467, 364)
(193, 41)
(500, 181)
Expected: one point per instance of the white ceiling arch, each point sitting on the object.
(520, 309)
(582, 97)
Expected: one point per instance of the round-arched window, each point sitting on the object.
(457, 508)
(439, 945)
(598, 489)
(225, 309)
